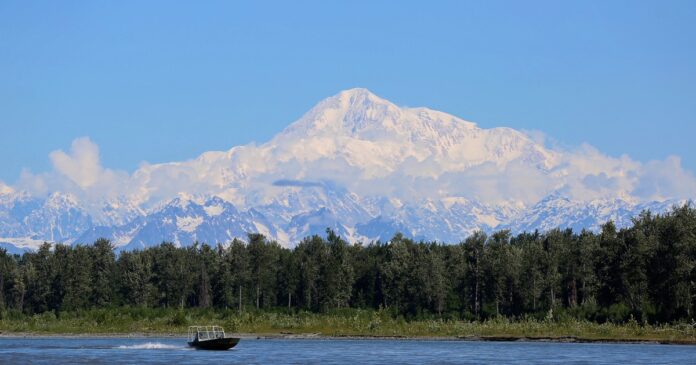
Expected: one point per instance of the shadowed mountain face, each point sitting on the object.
(354, 163)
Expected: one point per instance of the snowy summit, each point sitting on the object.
(355, 163)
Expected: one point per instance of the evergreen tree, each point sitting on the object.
(79, 285)
(103, 273)
(531, 268)
(396, 275)
(336, 273)
(263, 264)
(173, 276)
(288, 277)
(309, 254)
(474, 279)
(39, 279)
(647, 271)
(238, 259)
(7, 267)
(611, 290)
(222, 280)
(135, 276)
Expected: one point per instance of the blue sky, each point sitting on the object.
(164, 81)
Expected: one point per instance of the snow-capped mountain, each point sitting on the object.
(26, 222)
(184, 221)
(559, 212)
(449, 220)
(355, 163)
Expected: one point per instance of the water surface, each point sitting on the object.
(58, 350)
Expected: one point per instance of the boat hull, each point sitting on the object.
(215, 343)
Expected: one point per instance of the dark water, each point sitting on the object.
(174, 351)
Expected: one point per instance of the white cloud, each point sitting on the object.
(78, 172)
(34, 184)
(246, 175)
(81, 165)
(665, 179)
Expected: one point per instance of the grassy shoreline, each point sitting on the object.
(344, 324)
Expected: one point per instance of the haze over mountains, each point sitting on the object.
(355, 163)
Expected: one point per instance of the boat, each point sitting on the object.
(210, 338)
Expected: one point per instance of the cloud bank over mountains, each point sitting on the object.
(356, 159)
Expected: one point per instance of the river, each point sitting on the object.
(88, 350)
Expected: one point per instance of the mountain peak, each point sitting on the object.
(343, 113)
(350, 103)
(60, 199)
(377, 138)
(183, 199)
(358, 96)
(357, 110)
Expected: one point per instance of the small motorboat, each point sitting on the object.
(210, 338)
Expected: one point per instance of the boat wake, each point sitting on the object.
(151, 346)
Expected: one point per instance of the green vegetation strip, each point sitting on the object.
(343, 323)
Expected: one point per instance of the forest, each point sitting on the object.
(644, 273)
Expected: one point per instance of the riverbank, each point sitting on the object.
(346, 324)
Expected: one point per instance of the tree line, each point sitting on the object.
(646, 272)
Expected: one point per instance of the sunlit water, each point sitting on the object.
(57, 350)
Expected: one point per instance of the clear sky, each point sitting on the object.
(165, 81)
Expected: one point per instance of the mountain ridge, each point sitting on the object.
(356, 163)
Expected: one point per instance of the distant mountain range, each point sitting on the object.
(355, 163)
